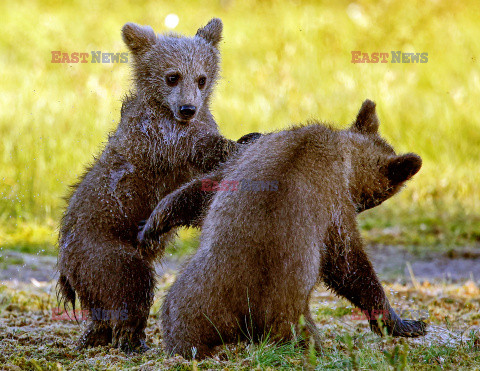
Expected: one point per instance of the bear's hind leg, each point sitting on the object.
(130, 338)
(119, 295)
(98, 333)
(132, 292)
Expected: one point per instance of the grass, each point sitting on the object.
(30, 339)
(283, 62)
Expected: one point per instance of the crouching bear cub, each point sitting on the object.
(261, 253)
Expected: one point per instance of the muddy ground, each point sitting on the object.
(392, 264)
(445, 287)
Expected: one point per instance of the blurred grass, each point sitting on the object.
(283, 62)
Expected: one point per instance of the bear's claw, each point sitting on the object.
(401, 328)
(247, 138)
(95, 335)
(128, 348)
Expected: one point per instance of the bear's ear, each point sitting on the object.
(401, 168)
(138, 38)
(367, 120)
(212, 32)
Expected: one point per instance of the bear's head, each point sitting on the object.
(174, 72)
(377, 172)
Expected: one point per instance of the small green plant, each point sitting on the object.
(348, 341)
(397, 358)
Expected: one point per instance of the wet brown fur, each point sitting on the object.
(152, 152)
(262, 253)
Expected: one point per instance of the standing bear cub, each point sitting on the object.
(165, 138)
(262, 253)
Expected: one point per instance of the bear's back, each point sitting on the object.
(286, 183)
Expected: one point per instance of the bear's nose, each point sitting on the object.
(187, 111)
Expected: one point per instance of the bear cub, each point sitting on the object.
(262, 253)
(166, 137)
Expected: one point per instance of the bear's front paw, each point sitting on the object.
(150, 231)
(404, 328)
(410, 328)
(146, 233)
(248, 138)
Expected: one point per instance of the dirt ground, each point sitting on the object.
(445, 288)
(391, 262)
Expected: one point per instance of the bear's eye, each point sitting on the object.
(201, 82)
(172, 79)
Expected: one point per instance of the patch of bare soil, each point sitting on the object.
(32, 337)
(392, 263)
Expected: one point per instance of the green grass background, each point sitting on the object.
(283, 62)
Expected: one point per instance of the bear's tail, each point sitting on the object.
(66, 294)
